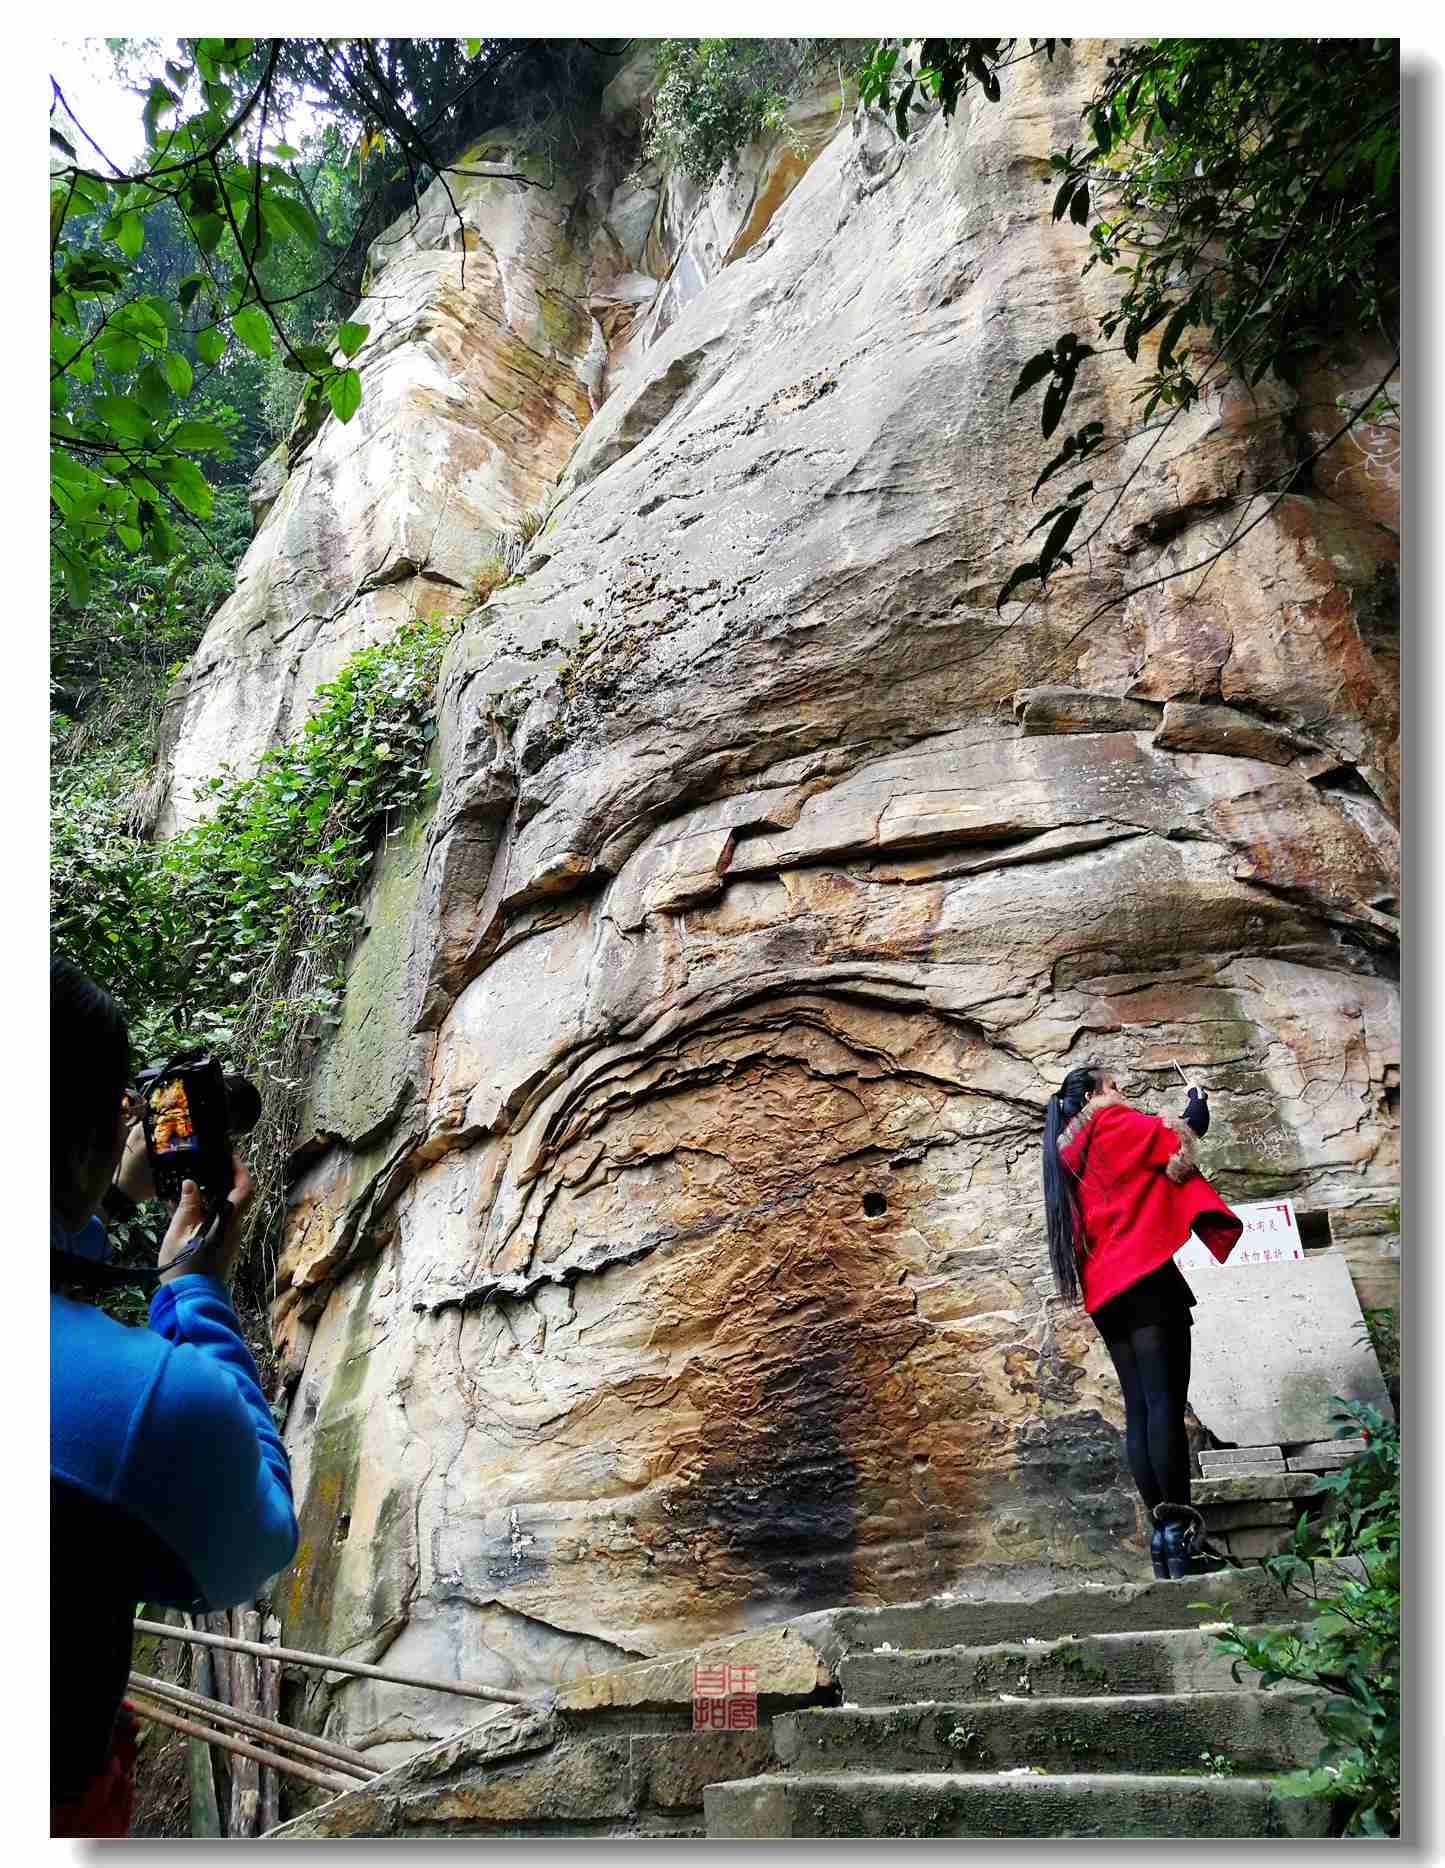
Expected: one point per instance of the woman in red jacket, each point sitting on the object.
(1121, 1195)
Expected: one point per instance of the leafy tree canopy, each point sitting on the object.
(226, 242)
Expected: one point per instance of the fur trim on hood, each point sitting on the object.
(1180, 1165)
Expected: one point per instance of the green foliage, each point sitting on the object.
(182, 931)
(903, 77)
(1241, 193)
(230, 248)
(488, 577)
(123, 457)
(1345, 1570)
(715, 96)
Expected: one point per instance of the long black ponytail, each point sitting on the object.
(1060, 1211)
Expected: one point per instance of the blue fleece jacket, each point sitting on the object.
(169, 1424)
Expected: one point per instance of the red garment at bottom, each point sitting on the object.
(105, 1808)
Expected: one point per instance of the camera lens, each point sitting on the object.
(243, 1105)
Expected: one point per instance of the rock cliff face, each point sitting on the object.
(671, 1255)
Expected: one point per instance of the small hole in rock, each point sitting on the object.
(874, 1204)
(343, 1527)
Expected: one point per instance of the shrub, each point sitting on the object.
(715, 96)
(1345, 1568)
(234, 935)
(488, 577)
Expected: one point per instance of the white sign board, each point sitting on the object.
(1270, 1235)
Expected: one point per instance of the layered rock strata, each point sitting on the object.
(670, 1254)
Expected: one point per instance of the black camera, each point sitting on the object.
(190, 1109)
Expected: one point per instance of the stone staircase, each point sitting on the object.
(1096, 1710)
(1107, 1722)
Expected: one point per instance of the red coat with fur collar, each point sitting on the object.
(1139, 1195)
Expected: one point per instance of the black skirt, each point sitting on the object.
(1160, 1296)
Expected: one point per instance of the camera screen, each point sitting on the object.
(172, 1131)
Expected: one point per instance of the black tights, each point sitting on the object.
(1153, 1369)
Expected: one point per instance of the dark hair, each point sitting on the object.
(89, 1064)
(1060, 1211)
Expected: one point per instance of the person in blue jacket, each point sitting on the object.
(168, 1480)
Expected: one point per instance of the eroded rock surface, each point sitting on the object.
(676, 1262)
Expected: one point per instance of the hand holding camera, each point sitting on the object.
(205, 1238)
(180, 1151)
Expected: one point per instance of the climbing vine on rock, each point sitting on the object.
(234, 935)
(715, 96)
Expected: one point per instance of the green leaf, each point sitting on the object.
(198, 436)
(160, 101)
(1079, 207)
(293, 215)
(350, 337)
(189, 485)
(77, 580)
(124, 416)
(473, 47)
(208, 229)
(344, 390)
(1061, 199)
(153, 392)
(118, 352)
(178, 372)
(250, 325)
(210, 345)
(130, 235)
(315, 358)
(284, 152)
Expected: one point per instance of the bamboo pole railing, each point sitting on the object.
(162, 1715)
(270, 1814)
(326, 1751)
(298, 1657)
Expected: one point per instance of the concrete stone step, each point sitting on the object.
(1246, 1595)
(991, 1804)
(1259, 1733)
(1171, 1661)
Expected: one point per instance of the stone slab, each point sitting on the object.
(1087, 1609)
(991, 1804)
(1249, 1543)
(1071, 710)
(1273, 1344)
(1155, 1732)
(671, 1770)
(1250, 1514)
(784, 1665)
(1211, 1471)
(1177, 1661)
(1354, 1444)
(1253, 1485)
(1322, 1462)
(1226, 1456)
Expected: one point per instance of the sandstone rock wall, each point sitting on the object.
(671, 1258)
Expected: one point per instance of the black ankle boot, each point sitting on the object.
(1185, 1551)
(1156, 1552)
